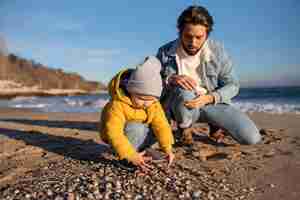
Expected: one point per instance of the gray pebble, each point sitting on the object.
(197, 194)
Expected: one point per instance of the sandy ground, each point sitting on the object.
(30, 141)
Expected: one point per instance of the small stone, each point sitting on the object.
(272, 185)
(210, 195)
(27, 196)
(118, 184)
(59, 198)
(158, 188)
(138, 197)
(91, 196)
(128, 196)
(269, 154)
(196, 154)
(118, 191)
(107, 195)
(108, 185)
(197, 194)
(225, 188)
(49, 192)
(187, 195)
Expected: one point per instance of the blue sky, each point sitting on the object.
(97, 38)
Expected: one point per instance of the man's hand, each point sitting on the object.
(141, 161)
(170, 158)
(199, 101)
(183, 81)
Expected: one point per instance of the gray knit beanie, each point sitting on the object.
(146, 79)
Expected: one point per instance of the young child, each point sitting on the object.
(133, 119)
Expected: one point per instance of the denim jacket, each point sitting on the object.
(215, 70)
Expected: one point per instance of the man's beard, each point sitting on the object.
(190, 50)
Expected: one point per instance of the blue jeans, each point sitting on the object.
(224, 116)
(139, 135)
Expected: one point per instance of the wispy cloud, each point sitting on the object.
(103, 52)
(68, 26)
(94, 54)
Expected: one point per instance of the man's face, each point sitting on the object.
(193, 37)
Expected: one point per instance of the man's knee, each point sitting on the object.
(251, 137)
(185, 95)
(255, 138)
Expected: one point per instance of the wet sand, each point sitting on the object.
(33, 144)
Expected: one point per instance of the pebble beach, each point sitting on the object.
(60, 156)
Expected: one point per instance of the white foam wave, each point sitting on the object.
(22, 98)
(100, 103)
(73, 102)
(267, 107)
(41, 105)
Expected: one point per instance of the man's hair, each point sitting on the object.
(196, 15)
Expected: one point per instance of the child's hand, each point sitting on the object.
(170, 158)
(141, 161)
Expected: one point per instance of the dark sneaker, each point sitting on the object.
(217, 136)
(187, 136)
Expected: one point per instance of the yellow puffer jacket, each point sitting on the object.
(120, 110)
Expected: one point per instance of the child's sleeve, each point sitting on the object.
(114, 129)
(162, 129)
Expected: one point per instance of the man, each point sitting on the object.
(199, 82)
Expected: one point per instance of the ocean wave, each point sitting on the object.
(94, 103)
(41, 105)
(23, 98)
(88, 103)
(268, 107)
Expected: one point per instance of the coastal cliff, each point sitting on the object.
(19, 76)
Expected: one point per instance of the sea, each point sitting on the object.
(277, 100)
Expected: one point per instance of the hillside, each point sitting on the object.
(29, 74)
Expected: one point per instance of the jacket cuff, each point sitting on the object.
(167, 150)
(130, 157)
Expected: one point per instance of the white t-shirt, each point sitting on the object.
(189, 66)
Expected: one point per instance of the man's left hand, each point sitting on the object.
(199, 101)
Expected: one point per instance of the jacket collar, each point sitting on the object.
(206, 54)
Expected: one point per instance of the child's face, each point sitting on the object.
(143, 101)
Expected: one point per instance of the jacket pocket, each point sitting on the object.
(212, 77)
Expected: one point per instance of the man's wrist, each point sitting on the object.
(210, 99)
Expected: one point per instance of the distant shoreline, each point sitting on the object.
(10, 94)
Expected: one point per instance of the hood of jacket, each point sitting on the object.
(115, 91)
